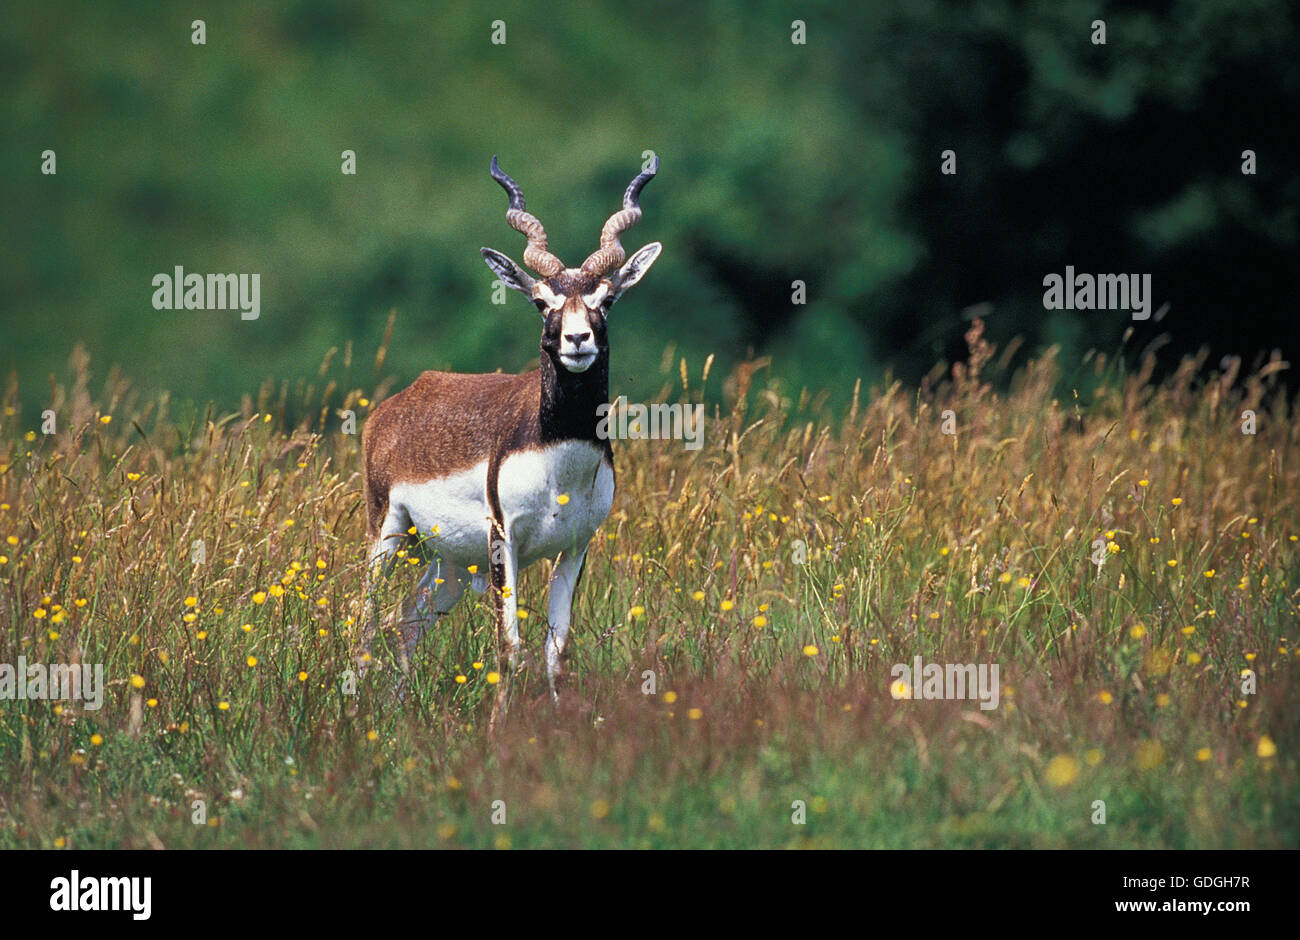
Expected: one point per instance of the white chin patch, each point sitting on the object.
(577, 363)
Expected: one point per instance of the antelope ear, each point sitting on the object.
(511, 274)
(634, 269)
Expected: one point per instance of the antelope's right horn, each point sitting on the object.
(536, 255)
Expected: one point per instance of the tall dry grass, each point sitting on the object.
(766, 584)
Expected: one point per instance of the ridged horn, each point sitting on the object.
(610, 254)
(536, 255)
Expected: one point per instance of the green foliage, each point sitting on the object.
(815, 162)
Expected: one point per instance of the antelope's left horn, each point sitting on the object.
(610, 254)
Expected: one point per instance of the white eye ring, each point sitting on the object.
(547, 296)
(596, 297)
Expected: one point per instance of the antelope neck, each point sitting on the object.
(570, 400)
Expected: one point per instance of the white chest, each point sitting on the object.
(552, 499)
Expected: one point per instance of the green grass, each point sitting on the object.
(1120, 683)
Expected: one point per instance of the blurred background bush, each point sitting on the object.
(817, 162)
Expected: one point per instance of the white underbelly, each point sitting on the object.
(451, 513)
(530, 485)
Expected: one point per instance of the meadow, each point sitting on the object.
(1124, 552)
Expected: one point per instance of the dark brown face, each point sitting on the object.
(575, 305)
(574, 301)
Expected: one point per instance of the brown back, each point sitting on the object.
(441, 423)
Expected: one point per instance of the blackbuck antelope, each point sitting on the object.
(487, 474)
